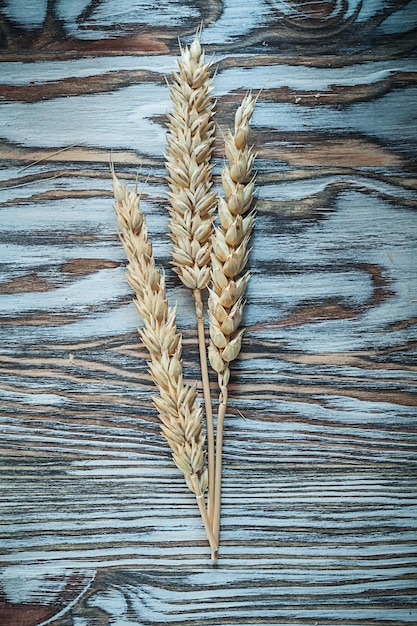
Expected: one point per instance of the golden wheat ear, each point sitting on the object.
(229, 257)
(177, 404)
(189, 149)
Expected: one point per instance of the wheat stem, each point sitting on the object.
(207, 400)
(206, 520)
(219, 456)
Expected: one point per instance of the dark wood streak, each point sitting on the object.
(319, 501)
(75, 267)
(76, 86)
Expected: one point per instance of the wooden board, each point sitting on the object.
(319, 502)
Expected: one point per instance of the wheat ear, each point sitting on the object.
(177, 405)
(229, 257)
(191, 202)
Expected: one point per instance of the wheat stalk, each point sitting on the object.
(229, 257)
(190, 140)
(177, 405)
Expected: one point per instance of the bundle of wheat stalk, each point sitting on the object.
(200, 253)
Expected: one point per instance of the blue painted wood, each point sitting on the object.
(319, 506)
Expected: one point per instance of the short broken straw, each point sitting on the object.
(229, 257)
(189, 148)
(179, 411)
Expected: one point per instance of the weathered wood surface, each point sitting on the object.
(319, 506)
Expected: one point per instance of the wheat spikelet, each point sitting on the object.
(189, 147)
(177, 405)
(229, 257)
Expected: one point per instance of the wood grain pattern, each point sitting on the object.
(319, 502)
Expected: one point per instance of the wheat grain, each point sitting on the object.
(177, 404)
(229, 257)
(189, 149)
